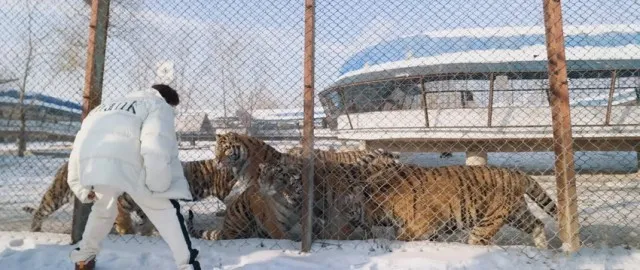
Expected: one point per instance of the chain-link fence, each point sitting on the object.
(443, 87)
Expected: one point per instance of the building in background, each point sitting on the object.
(283, 119)
(194, 127)
(448, 90)
(456, 69)
(47, 118)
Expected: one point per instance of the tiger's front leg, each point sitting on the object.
(240, 219)
(201, 234)
(487, 228)
(420, 223)
(419, 228)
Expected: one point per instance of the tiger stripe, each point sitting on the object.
(243, 153)
(431, 201)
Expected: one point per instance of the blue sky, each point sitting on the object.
(270, 35)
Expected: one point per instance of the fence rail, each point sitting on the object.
(537, 91)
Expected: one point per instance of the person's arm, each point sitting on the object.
(157, 142)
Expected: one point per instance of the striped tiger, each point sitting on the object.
(266, 210)
(242, 153)
(425, 202)
(203, 177)
(353, 156)
(278, 194)
(333, 181)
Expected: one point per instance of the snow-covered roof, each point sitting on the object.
(36, 99)
(493, 45)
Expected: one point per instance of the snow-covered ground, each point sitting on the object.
(609, 213)
(48, 251)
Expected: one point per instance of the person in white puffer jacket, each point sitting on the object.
(129, 145)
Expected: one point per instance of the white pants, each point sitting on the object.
(164, 214)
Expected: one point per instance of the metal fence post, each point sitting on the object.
(492, 82)
(307, 135)
(92, 92)
(562, 134)
(612, 89)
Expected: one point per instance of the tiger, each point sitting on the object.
(267, 210)
(345, 156)
(280, 189)
(204, 179)
(243, 154)
(426, 202)
(335, 182)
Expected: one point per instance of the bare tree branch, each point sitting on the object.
(22, 137)
(3, 81)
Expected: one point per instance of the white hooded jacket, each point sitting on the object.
(129, 144)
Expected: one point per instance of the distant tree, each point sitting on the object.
(244, 82)
(22, 84)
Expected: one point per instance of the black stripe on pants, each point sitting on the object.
(193, 253)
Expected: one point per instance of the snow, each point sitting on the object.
(608, 213)
(621, 96)
(50, 251)
(533, 30)
(68, 128)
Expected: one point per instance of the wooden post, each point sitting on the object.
(562, 134)
(92, 93)
(492, 80)
(612, 89)
(307, 134)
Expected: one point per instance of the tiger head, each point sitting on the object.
(295, 151)
(281, 178)
(230, 150)
(350, 202)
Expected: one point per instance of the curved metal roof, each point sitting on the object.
(495, 49)
(524, 70)
(12, 96)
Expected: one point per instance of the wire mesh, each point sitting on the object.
(469, 83)
(41, 75)
(443, 84)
